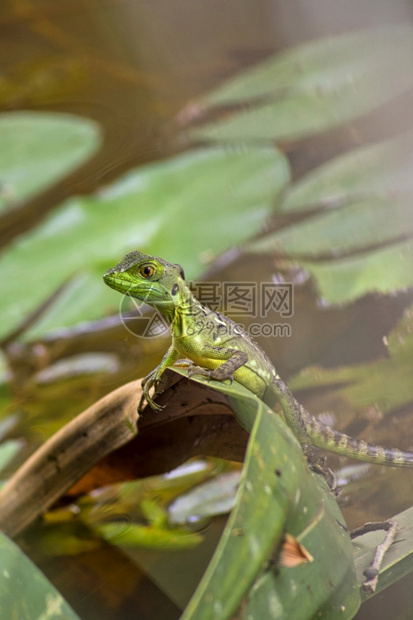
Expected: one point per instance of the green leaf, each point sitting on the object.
(277, 494)
(25, 593)
(213, 497)
(154, 513)
(362, 224)
(61, 538)
(312, 87)
(148, 536)
(368, 193)
(312, 590)
(366, 196)
(380, 170)
(38, 149)
(186, 209)
(145, 499)
(385, 270)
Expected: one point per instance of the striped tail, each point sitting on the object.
(324, 436)
(306, 427)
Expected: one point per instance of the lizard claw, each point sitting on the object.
(153, 405)
(198, 370)
(147, 384)
(318, 466)
(148, 378)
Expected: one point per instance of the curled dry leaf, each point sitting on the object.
(293, 553)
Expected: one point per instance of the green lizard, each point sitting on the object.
(214, 346)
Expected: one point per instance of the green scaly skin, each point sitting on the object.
(212, 345)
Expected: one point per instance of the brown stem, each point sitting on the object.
(66, 456)
(101, 446)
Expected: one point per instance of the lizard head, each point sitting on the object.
(148, 278)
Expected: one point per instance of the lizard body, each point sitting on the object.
(213, 345)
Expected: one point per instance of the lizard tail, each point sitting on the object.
(324, 436)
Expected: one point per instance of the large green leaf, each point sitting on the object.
(365, 222)
(312, 590)
(187, 209)
(384, 270)
(37, 149)
(366, 195)
(312, 87)
(365, 199)
(382, 170)
(277, 494)
(25, 593)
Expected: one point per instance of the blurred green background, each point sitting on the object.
(250, 142)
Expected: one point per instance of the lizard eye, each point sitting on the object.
(147, 271)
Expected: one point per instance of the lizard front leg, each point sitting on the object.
(152, 380)
(232, 360)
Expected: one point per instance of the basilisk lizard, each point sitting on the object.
(214, 346)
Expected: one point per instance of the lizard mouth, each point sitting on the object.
(123, 284)
(117, 281)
